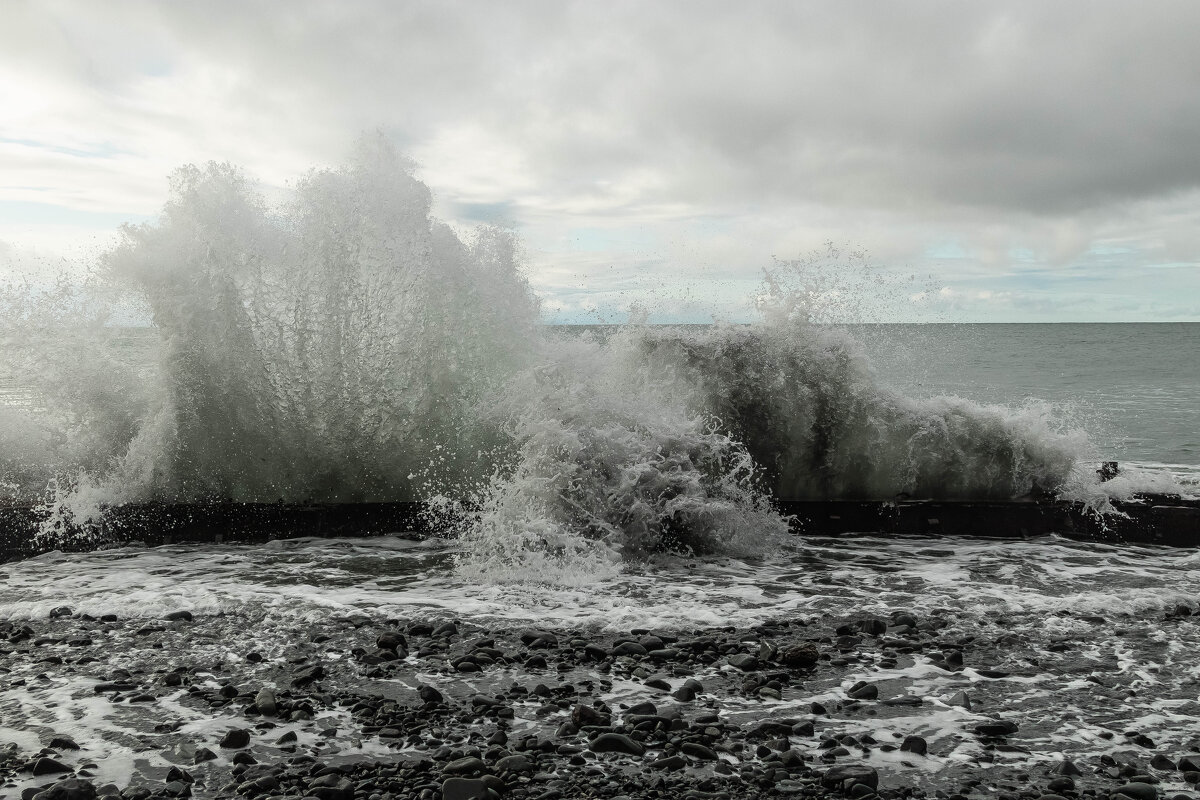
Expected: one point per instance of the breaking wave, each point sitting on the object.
(345, 346)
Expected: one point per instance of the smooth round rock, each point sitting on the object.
(616, 743)
(236, 739)
(846, 776)
(464, 789)
(464, 766)
(1138, 791)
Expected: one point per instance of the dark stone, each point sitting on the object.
(743, 661)
(179, 616)
(264, 702)
(1162, 762)
(429, 694)
(698, 751)
(998, 728)
(628, 649)
(915, 744)
(177, 774)
(801, 656)
(61, 611)
(443, 631)
(582, 715)
(47, 766)
(236, 739)
(391, 640)
(687, 692)
(670, 763)
(1067, 767)
(616, 743)
(63, 743)
(178, 789)
(595, 652)
(538, 639)
(846, 776)
(872, 626)
(307, 675)
(1062, 783)
(516, 763)
(1138, 791)
(114, 686)
(803, 729)
(464, 789)
(341, 789)
(464, 766)
(1189, 763)
(203, 754)
(864, 691)
(69, 789)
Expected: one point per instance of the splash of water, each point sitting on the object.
(345, 346)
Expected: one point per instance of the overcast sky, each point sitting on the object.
(1041, 161)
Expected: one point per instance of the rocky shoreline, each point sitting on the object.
(891, 706)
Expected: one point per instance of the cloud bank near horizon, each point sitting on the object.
(1037, 160)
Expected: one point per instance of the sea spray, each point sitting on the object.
(805, 403)
(342, 345)
(334, 348)
(611, 463)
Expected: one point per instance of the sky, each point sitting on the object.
(998, 162)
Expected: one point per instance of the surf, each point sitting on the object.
(342, 345)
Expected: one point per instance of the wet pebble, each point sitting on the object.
(464, 789)
(235, 739)
(616, 743)
(1136, 790)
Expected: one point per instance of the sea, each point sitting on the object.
(608, 478)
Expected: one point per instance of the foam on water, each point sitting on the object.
(1076, 630)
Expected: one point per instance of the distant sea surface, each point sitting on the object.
(1134, 387)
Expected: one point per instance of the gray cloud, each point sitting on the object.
(1025, 125)
(1037, 106)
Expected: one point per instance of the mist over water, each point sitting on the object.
(345, 346)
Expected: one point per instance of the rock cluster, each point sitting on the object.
(795, 708)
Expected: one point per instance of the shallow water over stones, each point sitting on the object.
(898, 667)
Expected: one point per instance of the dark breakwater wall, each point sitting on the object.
(1154, 520)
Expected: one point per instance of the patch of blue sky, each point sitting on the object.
(156, 67)
(21, 212)
(488, 213)
(1109, 250)
(98, 150)
(947, 249)
(599, 240)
